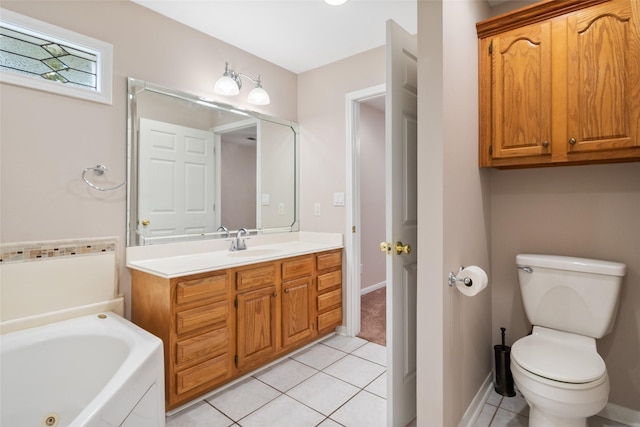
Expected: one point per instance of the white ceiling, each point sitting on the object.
(298, 35)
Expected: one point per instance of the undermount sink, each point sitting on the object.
(247, 253)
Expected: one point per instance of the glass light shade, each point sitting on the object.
(258, 96)
(226, 86)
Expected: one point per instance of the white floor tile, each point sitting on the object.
(346, 344)
(329, 423)
(286, 375)
(504, 418)
(373, 352)
(200, 415)
(515, 404)
(364, 410)
(243, 398)
(379, 386)
(283, 412)
(494, 398)
(603, 422)
(323, 393)
(355, 370)
(319, 356)
(484, 420)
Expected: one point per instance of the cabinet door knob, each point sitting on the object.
(572, 141)
(545, 143)
(275, 294)
(286, 291)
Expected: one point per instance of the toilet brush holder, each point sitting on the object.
(504, 379)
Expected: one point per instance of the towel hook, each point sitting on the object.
(98, 170)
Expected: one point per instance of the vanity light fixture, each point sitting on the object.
(230, 84)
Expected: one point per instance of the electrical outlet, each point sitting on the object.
(316, 209)
(281, 208)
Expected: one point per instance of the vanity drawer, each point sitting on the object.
(329, 300)
(329, 260)
(203, 373)
(329, 280)
(256, 277)
(330, 318)
(297, 268)
(202, 289)
(202, 346)
(206, 315)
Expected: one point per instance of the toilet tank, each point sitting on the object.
(576, 295)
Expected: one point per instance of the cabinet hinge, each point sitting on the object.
(235, 304)
(235, 360)
(490, 153)
(491, 47)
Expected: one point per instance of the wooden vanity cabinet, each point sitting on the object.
(220, 325)
(560, 84)
(192, 317)
(329, 290)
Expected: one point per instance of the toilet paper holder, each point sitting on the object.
(453, 279)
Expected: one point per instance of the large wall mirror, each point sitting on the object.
(197, 165)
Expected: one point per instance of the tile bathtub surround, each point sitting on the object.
(36, 251)
(340, 381)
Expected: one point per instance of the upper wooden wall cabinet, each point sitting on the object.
(560, 84)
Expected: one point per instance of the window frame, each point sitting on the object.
(44, 30)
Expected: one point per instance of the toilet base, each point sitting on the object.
(539, 419)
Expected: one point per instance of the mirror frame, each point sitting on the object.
(136, 86)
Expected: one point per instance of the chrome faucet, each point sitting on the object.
(239, 244)
(225, 229)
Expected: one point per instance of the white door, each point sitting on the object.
(401, 223)
(176, 181)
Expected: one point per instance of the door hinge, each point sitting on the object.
(491, 47)
(235, 360)
(353, 228)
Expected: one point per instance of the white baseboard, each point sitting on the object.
(472, 413)
(372, 288)
(611, 412)
(621, 414)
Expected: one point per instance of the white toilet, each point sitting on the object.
(570, 302)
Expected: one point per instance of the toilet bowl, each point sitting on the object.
(570, 302)
(561, 376)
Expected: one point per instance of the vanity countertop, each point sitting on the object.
(169, 265)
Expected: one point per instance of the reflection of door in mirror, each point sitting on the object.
(176, 169)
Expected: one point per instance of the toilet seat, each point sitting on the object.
(559, 356)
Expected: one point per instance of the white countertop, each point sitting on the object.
(184, 259)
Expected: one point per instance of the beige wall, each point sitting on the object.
(321, 114)
(584, 211)
(454, 331)
(372, 196)
(47, 140)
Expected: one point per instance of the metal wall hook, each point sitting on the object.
(453, 279)
(98, 170)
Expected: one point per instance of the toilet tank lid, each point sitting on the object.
(567, 263)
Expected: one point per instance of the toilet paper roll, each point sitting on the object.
(479, 280)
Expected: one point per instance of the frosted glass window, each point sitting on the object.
(45, 57)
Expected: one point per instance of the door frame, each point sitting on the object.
(352, 239)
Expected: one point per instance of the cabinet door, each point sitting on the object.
(256, 323)
(297, 310)
(603, 48)
(521, 92)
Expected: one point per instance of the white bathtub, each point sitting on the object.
(96, 370)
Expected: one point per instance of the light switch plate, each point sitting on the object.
(338, 199)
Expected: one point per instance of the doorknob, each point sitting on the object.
(385, 247)
(146, 222)
(400, 248)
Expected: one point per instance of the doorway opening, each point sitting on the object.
(365, 120)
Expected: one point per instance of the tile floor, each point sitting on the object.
(340, 381)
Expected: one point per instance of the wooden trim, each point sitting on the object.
(537, 12)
